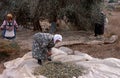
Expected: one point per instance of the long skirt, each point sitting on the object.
(52, 28)
(38, 52)
(99, 29)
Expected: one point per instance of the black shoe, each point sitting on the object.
(40, 62)
(49, 59)
(95, 35)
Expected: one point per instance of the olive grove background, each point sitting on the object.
(81, 13)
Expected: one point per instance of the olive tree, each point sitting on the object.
(81, 13)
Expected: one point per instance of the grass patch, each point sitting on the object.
(7, 49)
(4, 56)
(8, 46)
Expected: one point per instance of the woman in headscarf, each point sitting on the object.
(42, 44)
(100, 25)
(9, 27)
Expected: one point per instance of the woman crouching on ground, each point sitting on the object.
(42, 44)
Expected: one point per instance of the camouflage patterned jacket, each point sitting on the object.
(42, 43)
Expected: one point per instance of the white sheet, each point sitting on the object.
(96, 68)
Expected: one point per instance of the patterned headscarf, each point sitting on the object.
(57, 37)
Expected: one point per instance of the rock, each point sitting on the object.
(80, 54)
(94, 42)
(41, 76)
(112, 39)
(66, 50)
(59, 55)
(58, 58)
(77, 53)
(57, 52)
(71, 58)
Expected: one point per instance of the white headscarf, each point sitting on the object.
(57, 37)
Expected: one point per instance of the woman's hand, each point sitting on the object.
(1, 28)
(49, 53)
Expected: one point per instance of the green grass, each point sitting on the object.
(8, 48)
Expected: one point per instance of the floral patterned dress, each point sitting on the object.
(42, 43)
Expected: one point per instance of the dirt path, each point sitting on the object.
(100, 51)
(105, 51)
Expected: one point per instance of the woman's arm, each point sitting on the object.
(15, 24)
(50, 45)
(3, 25)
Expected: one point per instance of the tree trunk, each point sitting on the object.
(36, 18)
(36, 25)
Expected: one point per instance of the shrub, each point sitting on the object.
(7, 49)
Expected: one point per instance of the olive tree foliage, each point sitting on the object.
(11, 6)
(81, 13)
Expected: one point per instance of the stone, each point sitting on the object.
(94, 42)
(112, 39)
(66, 50)
(80, 54)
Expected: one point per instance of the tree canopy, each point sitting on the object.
(82, 13)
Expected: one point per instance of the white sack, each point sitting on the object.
(96, 68)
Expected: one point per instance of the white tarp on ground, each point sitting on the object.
(96, 68)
